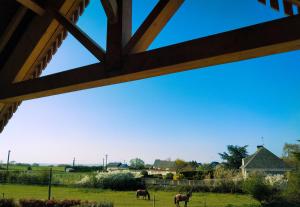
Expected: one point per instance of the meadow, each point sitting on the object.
(124, 198)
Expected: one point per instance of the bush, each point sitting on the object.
(292, 192)
(21, 177)
(227, 186)
(113, 181)
(169, 176)
(256, 186)
(48, 203)
(85, 168)
(244, 205)
(7, 203)
(144, 173)
(224, 173)
(178, 176)
(94, 204)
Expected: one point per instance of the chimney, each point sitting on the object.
(259, 147)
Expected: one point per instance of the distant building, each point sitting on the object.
(116, 166)
(163, 164)
(263, 161)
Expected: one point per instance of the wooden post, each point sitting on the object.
(50, 183)
(118, 34)
(7, 160)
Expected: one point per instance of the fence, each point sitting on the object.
(206, 182)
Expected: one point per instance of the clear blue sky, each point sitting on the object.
(191, 115)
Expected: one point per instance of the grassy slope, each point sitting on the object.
(122, 199)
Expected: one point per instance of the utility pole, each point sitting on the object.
(106, 161)
(49, 184)
(7, 160)
(74, 162)
(103, 164)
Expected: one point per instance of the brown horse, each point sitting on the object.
(142, 193)
(180, 197)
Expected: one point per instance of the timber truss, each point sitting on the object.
(126, 57)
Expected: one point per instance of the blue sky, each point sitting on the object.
(191, 115)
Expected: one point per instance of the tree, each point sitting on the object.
(137, 163)
(297, 153)
(193, 164)
(180, 165)
(291, 154)
(233, 159)
(144, 173)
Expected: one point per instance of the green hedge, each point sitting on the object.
(51, 203)
(24, 177)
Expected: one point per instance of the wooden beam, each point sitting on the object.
(262, 1)
(263, 39)
(31, 53)
(118, 34)
(152, 25)
(288, 8)
(71, 80)
(39, 32)
(81, 36)
(32, 6)
(274, 4)
(13, 24)
(111, 10)
(295, 2)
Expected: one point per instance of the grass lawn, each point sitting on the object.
(123, 199)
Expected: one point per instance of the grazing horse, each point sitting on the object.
(143, 193)
(180, 197)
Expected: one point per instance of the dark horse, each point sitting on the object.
(143, 193)
(180, 197)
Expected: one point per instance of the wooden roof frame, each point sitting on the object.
(126, 57)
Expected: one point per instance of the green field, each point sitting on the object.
(123, 199)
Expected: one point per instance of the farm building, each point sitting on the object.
(263, 161)
(116, 166)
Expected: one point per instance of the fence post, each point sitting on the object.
(50, 183)
(153, 200)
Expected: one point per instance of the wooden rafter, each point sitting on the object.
(245, 43)
(152, 25)
(32, 6)
(81, 36)
(33, 56)
(14, 23)
(296, 2)
(111, 10)
(274, 4)
(287, 5)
